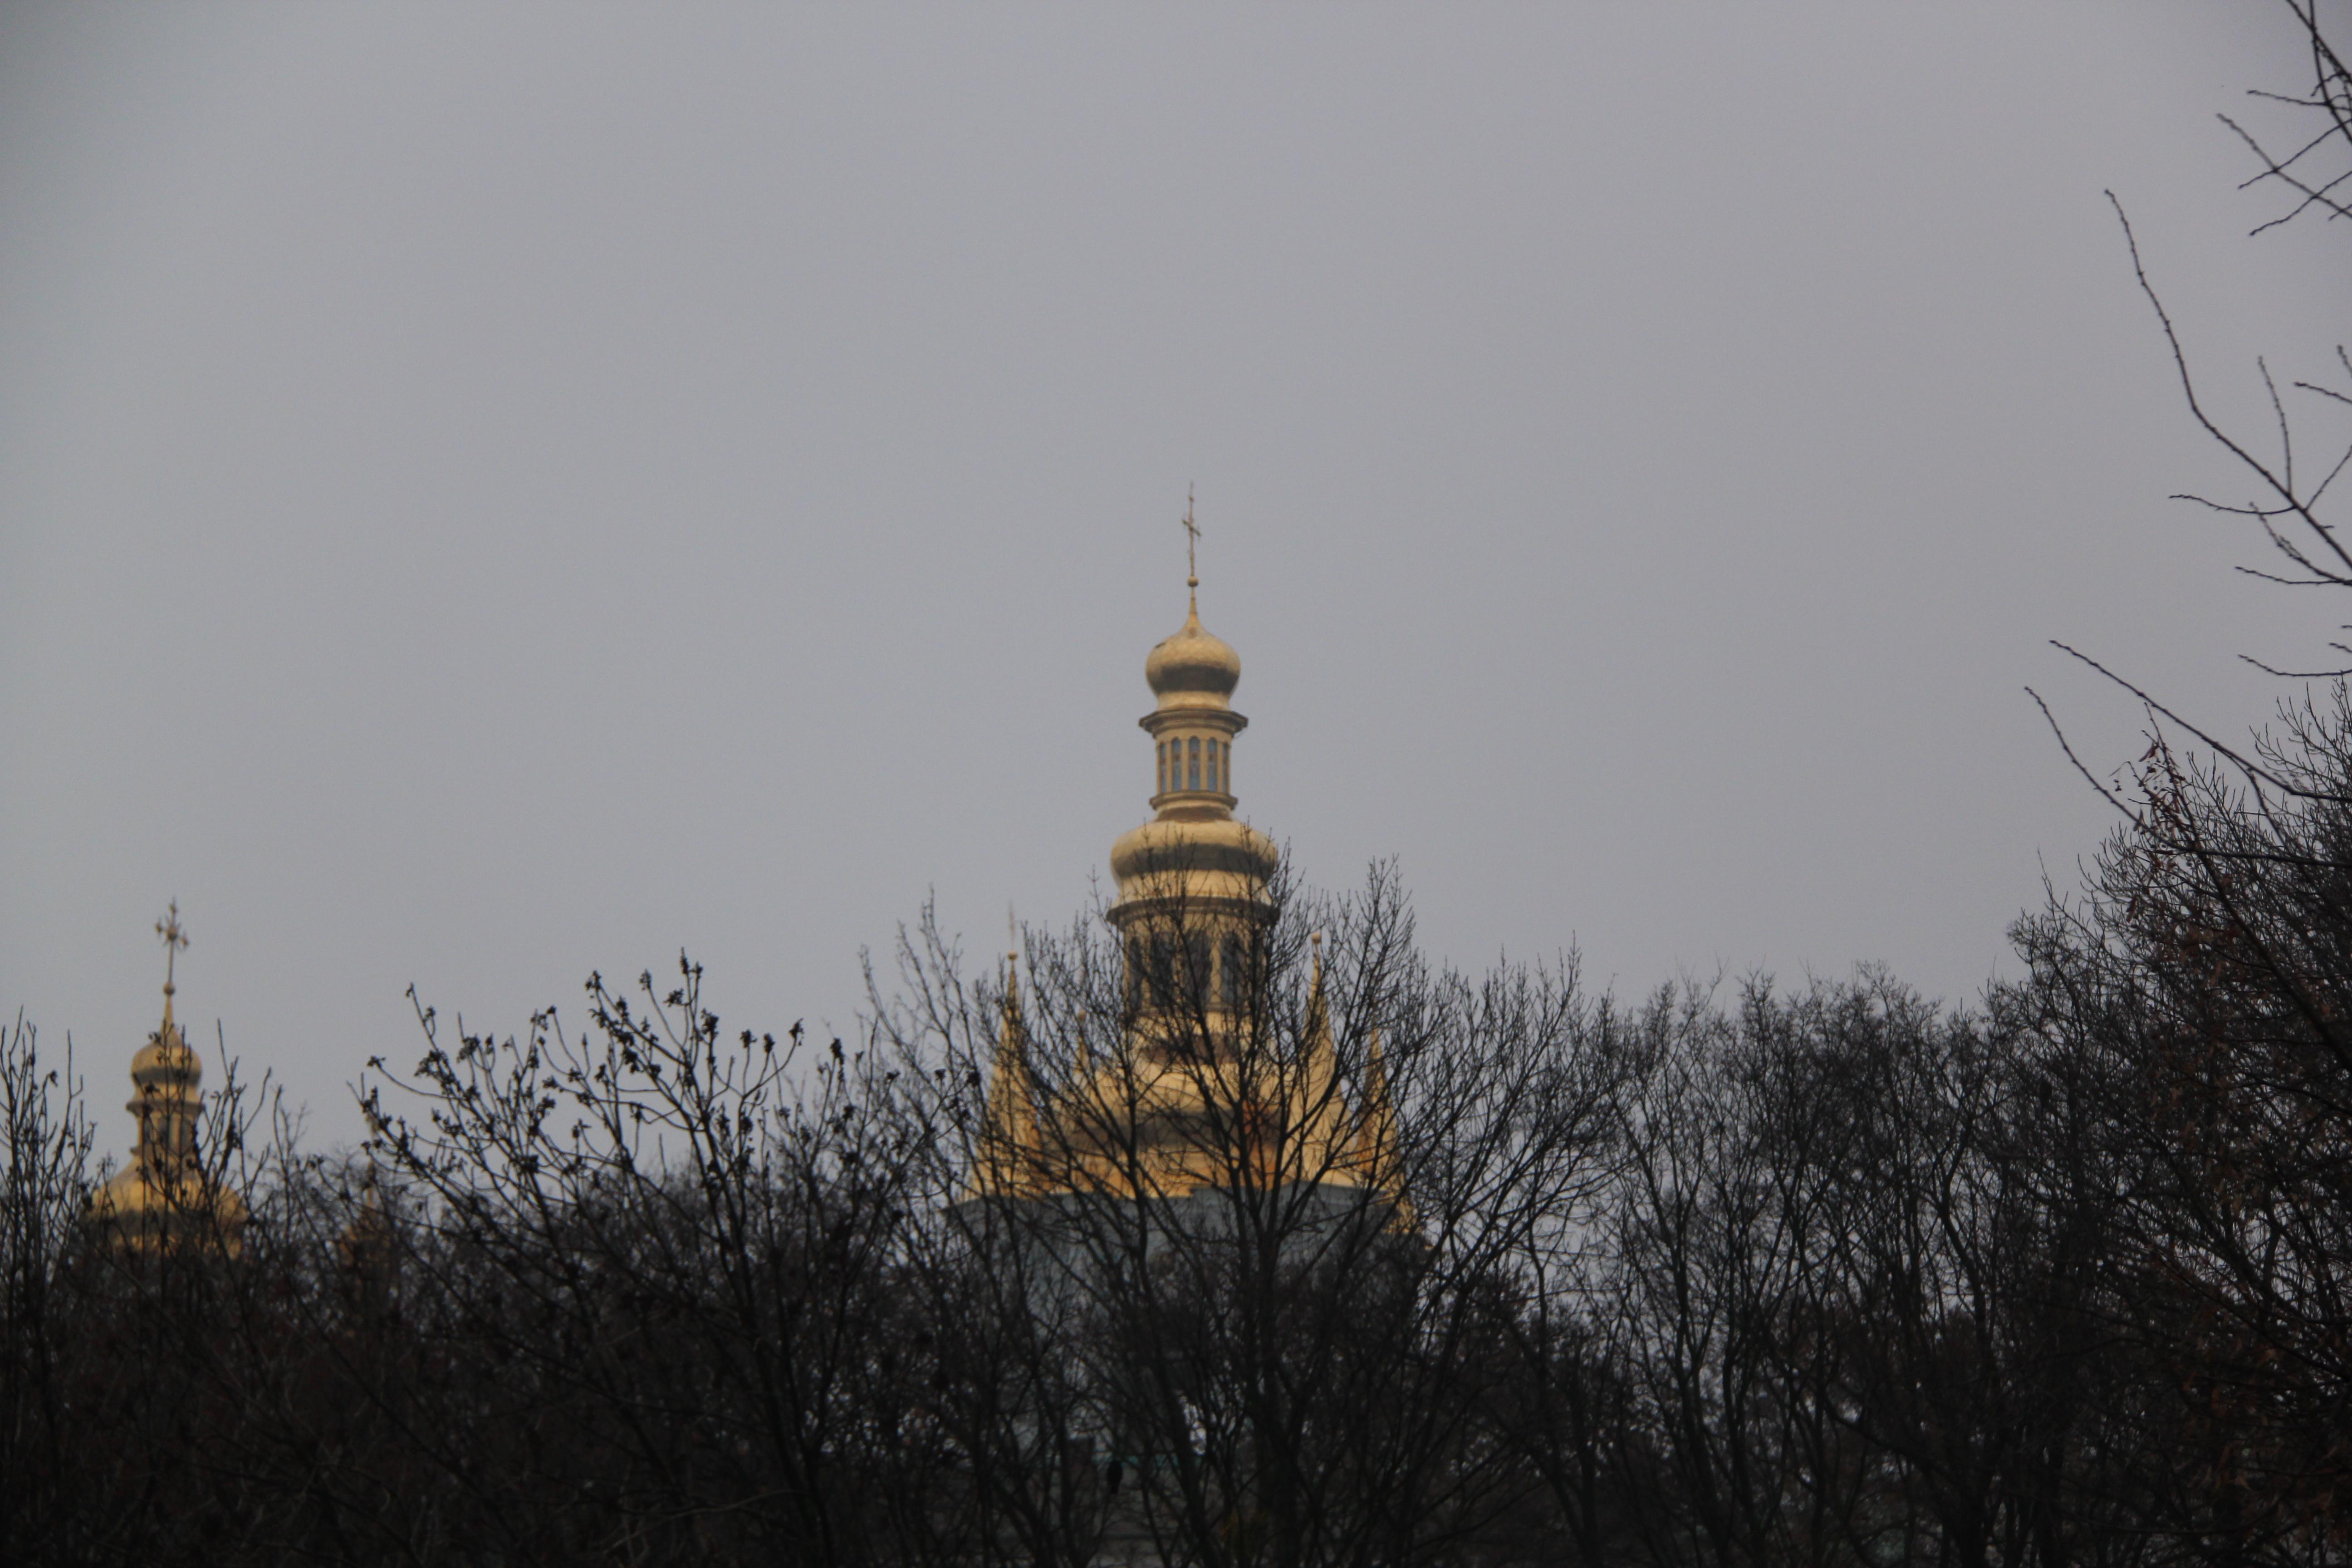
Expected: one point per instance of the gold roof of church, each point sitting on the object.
(1194, 669)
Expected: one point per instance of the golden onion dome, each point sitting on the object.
(1213, 854)
(166, 1062)
(1194, 669)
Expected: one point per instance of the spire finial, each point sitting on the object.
(1011, 963)
(174, 939)
(1191, 551)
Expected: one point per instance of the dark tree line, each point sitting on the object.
(1478, 1268)
(1837, 1278)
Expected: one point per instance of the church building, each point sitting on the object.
(163, 1198)
(1205, 1089)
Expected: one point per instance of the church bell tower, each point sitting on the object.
(1191, 904)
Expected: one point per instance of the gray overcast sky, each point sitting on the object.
(489, 492)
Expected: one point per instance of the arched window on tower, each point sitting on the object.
(1163, 970)
(1212, 765)
(1197, 978)
(1193, 762)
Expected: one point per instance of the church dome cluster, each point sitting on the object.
(1194, 853)
(164, 1196)
(1199, 1055)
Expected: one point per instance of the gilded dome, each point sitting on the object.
(146, 1202)
(166, 1061)
(1193, 668)
(1210, 855)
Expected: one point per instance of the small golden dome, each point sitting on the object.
(166, 1061)
(1193, 668)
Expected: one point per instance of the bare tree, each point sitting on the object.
(47, 1189)
(1739, 1456)
(672, 1265)
(1273, 1200)
(2205, 961)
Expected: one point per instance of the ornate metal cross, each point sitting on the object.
(1191, 543)
(174, 939)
